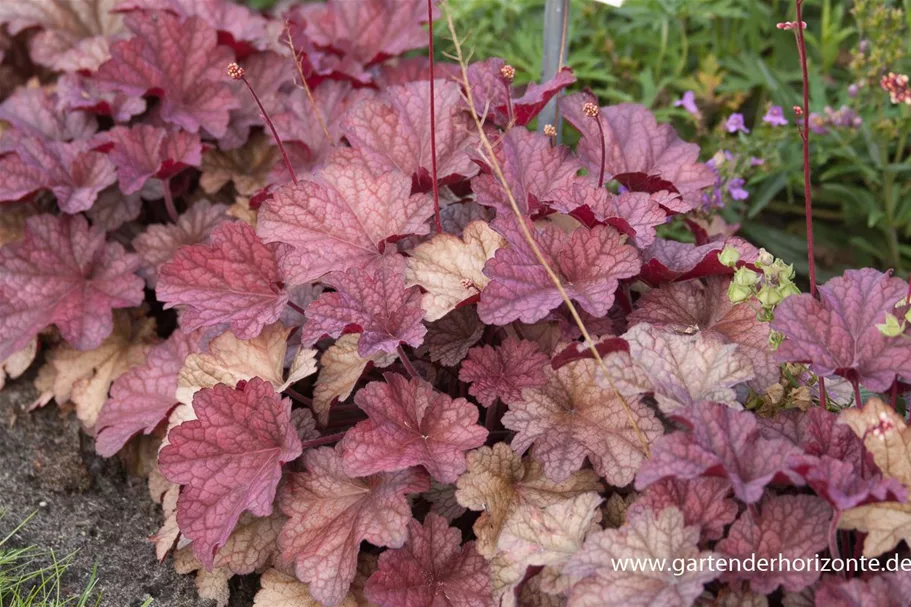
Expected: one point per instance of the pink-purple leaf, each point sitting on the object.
(178, 61)
(63, 272)
(503, 103)
(837, 334)
(228, 460)
(669, 260)
(503, 372)
(143, 151)
(33, 112)
(234, 280)
(703, 502)
(410, 424)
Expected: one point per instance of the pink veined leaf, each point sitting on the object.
(432, 570)
(341, 220)
(410, 424)
(237, 25)
(669, 260)
(843, 485)
(113, 209)
(267, 73)
(143, 397)
(641, 154)
(74, 34)
(721, 442)
(503, 372)
(590, 263)
(449, 338)
(178, 61)
(883, 590)
(704, 306)
(144, 151)
(33, 112)
(159, 243)
(297, 121)
(837, 334)
(228, 460)
(392, 131)
(680, 370)
(535, 171)
(703, 502)
(661, 535)
(402, 70)
(74, 173)
(367, 31)
(234, 280)
(63, 272)
(77, 92)
(635, 214)
(504, 104)
(330, 514)
(572, 418)
(375, 304)
(783, 526)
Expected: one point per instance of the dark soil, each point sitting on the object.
(86, 504)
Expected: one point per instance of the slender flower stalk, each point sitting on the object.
(437, 219)
(406, 362)
(593, 111)
(507, 75)
(237, 73)
(169, 200)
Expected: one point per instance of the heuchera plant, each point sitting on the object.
(421, 354)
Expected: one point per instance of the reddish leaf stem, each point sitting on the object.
(323, 440)
(169, 200)
(437, 220)
(406, 362)
(268, 121)
(603, 152)
(296, 308)
(299, 397)
(490, 417)
(894, 399)
(805, 136)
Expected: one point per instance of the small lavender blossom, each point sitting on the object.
(844, 118)
(756, 162)
(688, 102)
(735, 189)
(775, 116)
(853, 90)
(818, 124)
(735, 123)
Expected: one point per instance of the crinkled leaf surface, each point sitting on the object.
(449, 338)
(332, 513)
(572, 418)
(722, 441)
(535, 171)
(838, 334)
(34, 112)
(704, 305)
(590, 264)
(343, 220)
(180, 62)
(297, 121)
(77, 92)
(144, 151)
(142, 397)
(229, 460)
(703, 502)
(234, 280)
(247, 167)
(392, 131)
(450, 269)
(410, 424)
(788, 526)
(669, 260)
(63, 272)
(659, 535)
(74, 33)
(498, 481)
(431, 570)
(640, 153)
(884, 590)
(503, 104)
(376, 304)
(503, 372)
(280, 590)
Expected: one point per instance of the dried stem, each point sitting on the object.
(437, 219)
(406, 362)
(807, 195)
(169, 200)
(306, 87)
(526, 233)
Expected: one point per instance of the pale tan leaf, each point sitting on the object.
(886, 524)
(280, 590)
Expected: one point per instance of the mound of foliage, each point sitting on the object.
(417, 354)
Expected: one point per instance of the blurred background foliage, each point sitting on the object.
(733, 59)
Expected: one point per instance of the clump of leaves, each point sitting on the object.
(397, 349)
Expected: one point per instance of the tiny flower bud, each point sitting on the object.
(892, 327)
(591, 110)
(798, 111)
(765, 258)
(550, 130)
(508, 72)
(729, 256)
(235, 71)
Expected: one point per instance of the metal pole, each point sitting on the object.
(556, 44)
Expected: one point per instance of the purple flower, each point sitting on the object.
(818, 124)
(775, 116)
(688, 102)
(853, 90)
(756, 162)
(735, 189)
(735, 123)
